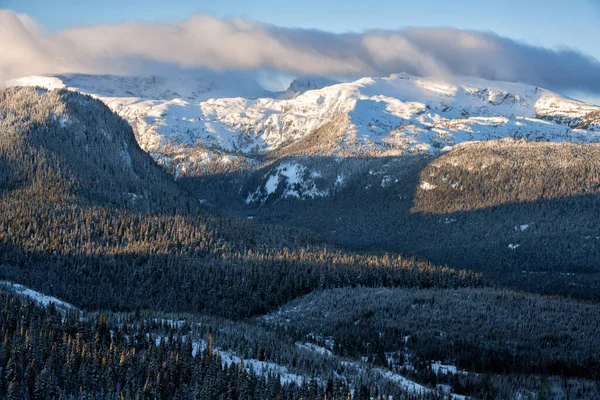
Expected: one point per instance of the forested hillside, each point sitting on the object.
(90, 218)
(524, 214)
(46, 355)
(488, 174)
(516, 342)
(312, 278)
(73, 148)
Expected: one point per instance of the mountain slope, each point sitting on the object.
(74, 146)
(523, 214)
(198, 128)
(72, 227)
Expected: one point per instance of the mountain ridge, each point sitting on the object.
(79, 144)
(193, 127)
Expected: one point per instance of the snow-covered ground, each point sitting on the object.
(292, 179)
(314, 348)
(405, 383)
(196, 120)
(37, 297)
(262, 368)
(440, 368)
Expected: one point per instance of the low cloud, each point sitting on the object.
(202, 41)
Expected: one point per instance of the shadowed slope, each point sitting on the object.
(86, 216)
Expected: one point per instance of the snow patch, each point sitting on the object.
(314, 348)
(40, 298)
(427, 186)
(262, 368)
(386, 181)
(272, 183)
(439, 368)
(295, 181)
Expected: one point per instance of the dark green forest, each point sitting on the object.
(384, 281)
(46, 355)
(479, 330)
(467, 209)
(157, 250)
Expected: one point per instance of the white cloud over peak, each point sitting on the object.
(202, 41)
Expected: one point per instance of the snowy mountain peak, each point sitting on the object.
(198, 123)
(187, 87)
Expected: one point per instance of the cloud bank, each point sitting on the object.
(203, 41)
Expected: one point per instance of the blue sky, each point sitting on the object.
(549, 23)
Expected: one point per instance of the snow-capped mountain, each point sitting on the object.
(191, 124)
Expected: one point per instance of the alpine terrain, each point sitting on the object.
(198, 236)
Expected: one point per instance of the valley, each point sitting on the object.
(393, 237)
